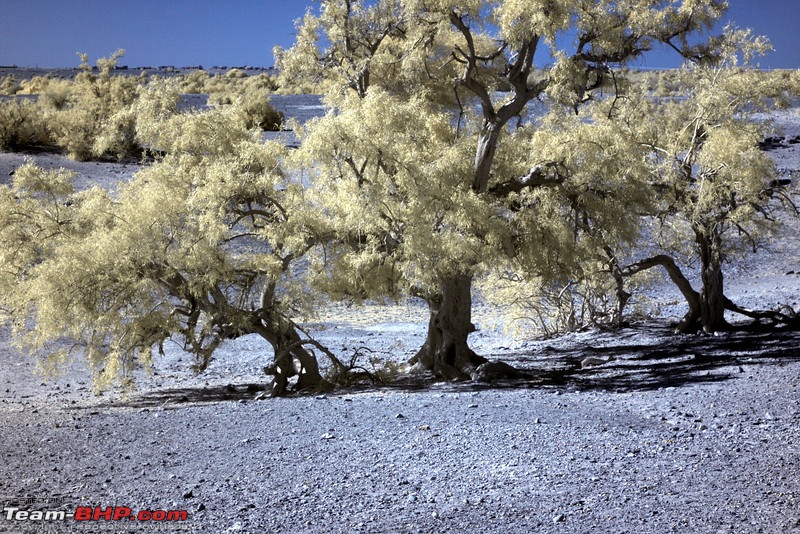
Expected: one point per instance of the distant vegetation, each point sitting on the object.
(92, 115)
(88, 113)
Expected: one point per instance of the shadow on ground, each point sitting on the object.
(640, 358)
(177, 397)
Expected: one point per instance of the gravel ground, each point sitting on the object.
(661, 440)
(676, 434)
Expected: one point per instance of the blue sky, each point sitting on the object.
(49, 33)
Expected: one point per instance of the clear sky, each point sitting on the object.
(49, 33)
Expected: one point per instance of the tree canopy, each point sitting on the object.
(492, 141)
(199, 247)
(513, 189)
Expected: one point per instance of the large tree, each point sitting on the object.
(200, 247)
(480, 64)
(717, 190)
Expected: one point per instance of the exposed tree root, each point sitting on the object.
(498, 370)
(785, 317)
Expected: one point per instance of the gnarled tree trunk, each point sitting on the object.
(291, 359)
(693, 299)
(712, 296)
(446, 350)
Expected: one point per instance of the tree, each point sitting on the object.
(200, 247)
(712, 180)
(474, 63)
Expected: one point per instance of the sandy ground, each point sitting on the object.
(676, 434)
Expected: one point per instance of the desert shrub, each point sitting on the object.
(794, 79)
(254, 110)
(74, 130)
(671, 83)
(156, 108)
(117, 136)
(22, 125)
(226, 89)
(35, 86)
(9, 85)
(56, 95)
(160, 126)
(235, 73)
(261, 81)
(533, 308)
(220, 98)
(364, 367)
(194, 82)
(93, 99)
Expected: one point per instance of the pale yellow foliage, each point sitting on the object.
(520, 20)
(191, 249)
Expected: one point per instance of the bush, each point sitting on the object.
(195, 82)
(255, 111)
(35, 86)
(22, 125)
(9, 86)
(56, 95)
(80, 119)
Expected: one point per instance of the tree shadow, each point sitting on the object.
(640, 358)
(646, 358)
(172, 398)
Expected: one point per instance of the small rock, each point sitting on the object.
(560, 518)
(399, 416)
(328, 435)
(424, 427)
(188, 495)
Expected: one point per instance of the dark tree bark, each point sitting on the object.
(291, 359)
(446, 351)
(712, 296)
(693, 299)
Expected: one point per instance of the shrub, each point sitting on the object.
(254, 110)
(235, 73)
(56, 95)
(22, 125)
(195, 82)
(9, 85)
(77, 123)
(35, 86)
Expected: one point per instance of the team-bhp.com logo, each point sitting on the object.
(93, 513)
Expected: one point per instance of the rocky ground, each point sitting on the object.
(674, 434)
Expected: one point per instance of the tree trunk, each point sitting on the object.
(692, 297)
(446, 351)
(484, 157)
(291, 359)
(712, 296)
